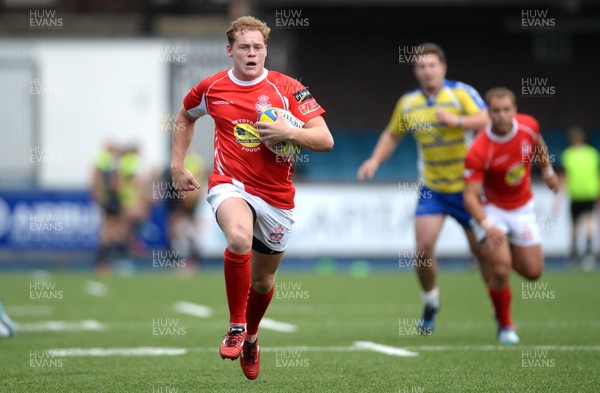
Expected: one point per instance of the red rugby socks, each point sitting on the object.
(257, 306)
(501, 300)
(237, 284)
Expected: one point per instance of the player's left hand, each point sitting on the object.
(552, 183)
(446, 117)
(277, 131)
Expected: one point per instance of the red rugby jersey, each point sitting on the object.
(503, 163)
(239, 156)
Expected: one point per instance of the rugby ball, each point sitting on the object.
(283, 148)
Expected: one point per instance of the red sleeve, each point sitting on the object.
(534, 124)
(194, 102)
(302, 104)
(474, 164)
(530, 122)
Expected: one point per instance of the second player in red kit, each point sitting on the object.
(498, 196)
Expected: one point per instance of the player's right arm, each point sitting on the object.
(386, 145)
(473, 205)
(475, 114)
(183, 133)
(493, 236)
(474, 176)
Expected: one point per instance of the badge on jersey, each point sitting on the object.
(277, 234)
(263, 103)
(302, 95)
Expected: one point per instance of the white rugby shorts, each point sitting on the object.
(519, 225)
(273, 226)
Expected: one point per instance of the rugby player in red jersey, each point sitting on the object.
(498, 196)
(250, 190)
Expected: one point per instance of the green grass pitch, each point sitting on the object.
(557, 319)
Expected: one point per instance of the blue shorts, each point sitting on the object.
(433, 202)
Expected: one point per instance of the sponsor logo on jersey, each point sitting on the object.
(515, 174)
(302, 95)
(309, 106)
(222, 102)
(246, 135)
(263, 103)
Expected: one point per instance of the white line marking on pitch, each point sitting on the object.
(392, 351)
(271, 324)
(358, 346)
(140, 351)
(196, 310)
(442, 348)
(164, 351)
(310, 349)
(29, 310)
(96, 288)
(201, 311)
(61, 326)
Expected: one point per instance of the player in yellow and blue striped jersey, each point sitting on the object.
(442, 116)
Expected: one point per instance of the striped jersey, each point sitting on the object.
(441, 148)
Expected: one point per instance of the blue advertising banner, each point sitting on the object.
(63, 221)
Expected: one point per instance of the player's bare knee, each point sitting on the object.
(500, 272)
(262, 284)
(499, 269)
(533, 275)
(239, 241)
(425, 250)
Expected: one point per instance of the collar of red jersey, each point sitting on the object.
(247, 83)
(503, 138)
